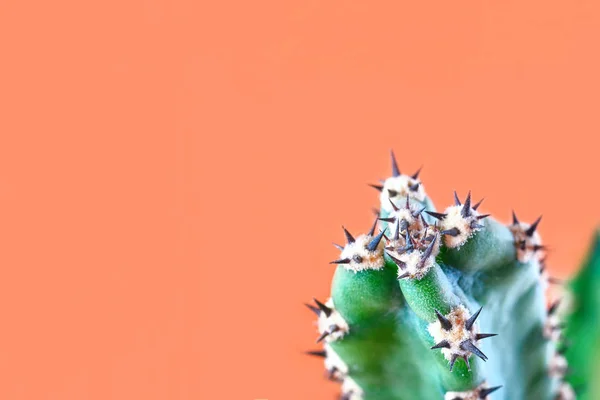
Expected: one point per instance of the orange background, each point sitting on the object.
(172, 173)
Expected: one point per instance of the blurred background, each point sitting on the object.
(172, 174)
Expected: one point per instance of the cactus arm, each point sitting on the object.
(380, 356)
(491, 247)
(430, 294)
(387, 360)
(365, 295)
(427, 297)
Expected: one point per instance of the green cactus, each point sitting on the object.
(582, 319)
(447, 305)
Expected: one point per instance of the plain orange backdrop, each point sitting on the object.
(172, 173)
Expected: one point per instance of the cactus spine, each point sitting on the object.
(441, 305)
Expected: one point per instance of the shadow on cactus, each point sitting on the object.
(451, 305)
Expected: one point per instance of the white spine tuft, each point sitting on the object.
(558, 366)
(459, 227)
(360, 257)
(334, 325)
(335, 366)
(400, 187)
(529, 247)
(455, 336)
(351, 390)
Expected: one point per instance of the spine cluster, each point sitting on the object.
(364, 252)
(457, 336)
(332, 325)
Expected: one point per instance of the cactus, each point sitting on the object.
(445, 305)
(581, 315)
